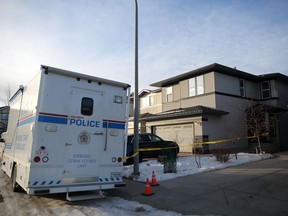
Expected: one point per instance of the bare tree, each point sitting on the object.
(234, 134)
(258, 118)
(197, 150)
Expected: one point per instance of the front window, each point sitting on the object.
(196, 86)
(169, 94)
(265, 90)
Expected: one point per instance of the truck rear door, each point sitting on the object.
(86, 138)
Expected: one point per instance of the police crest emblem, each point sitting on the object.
(84, 137)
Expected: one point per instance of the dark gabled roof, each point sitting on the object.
(183, 113)
(220, 69)
(203, 70)
(275, 76)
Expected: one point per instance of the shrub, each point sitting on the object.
(221, 154)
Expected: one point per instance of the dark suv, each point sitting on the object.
(148, 141)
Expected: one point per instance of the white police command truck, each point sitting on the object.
(66, 133)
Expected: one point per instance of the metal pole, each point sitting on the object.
(136, 98)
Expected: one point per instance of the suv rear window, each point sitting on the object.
(144, 137)
(155, 138)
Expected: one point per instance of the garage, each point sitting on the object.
(182, 134)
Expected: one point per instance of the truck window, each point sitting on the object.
(87, 106)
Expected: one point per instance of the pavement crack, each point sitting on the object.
(227, 201)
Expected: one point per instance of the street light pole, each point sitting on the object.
(136, 99)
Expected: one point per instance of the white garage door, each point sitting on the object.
(182, 134)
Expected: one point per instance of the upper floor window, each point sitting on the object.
(265, 90)
(196, 86)
(242, 88)
(151, 100)
(169, 93)
(148, 101)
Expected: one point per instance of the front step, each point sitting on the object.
(82, 196)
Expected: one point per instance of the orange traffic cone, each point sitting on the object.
(154, 182)
(147, 191)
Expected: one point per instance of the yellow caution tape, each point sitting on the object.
(196, 143)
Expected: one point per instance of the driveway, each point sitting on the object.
(258, 188)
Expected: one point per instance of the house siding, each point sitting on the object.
(181, 97)
(221, 92)
(156, 107)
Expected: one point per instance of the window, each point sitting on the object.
(200, 85)
(4, 116)
(196, 86)
(151, 100)
(192, 87)
(148, 101)
(87, 106)
(242, 88)
(272, 127)
(169, 94)
(265, 90)
(154, 137)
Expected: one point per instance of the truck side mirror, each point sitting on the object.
(2, 140)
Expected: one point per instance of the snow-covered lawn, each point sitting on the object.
(188, 166)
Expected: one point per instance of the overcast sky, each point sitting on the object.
(96, 37)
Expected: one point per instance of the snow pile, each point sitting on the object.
(188, 166)
(109, 206)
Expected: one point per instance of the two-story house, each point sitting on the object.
(211, 103)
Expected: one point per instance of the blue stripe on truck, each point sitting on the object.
(113, 124)
(71, 120)
(52, 119)
(26, 121)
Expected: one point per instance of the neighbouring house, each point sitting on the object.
(211, 103)
(4, 113)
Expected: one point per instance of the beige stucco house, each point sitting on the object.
(210, 104)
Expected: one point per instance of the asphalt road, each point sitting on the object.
(258, 188)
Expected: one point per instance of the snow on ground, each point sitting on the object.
(109, 206)
(188, 166)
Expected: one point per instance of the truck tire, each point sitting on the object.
(15, 186)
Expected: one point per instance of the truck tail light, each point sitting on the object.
(36, 159)
(119, 159)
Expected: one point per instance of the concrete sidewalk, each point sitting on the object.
(258, 188)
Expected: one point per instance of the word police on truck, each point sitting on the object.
(66, 133)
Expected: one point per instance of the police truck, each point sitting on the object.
(66, 133)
